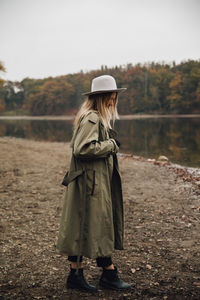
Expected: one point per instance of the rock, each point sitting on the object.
(151, 160)
(162, 158)
(133, 270)
(148, 266)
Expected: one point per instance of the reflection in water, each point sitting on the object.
(178, 139)
(40, 130)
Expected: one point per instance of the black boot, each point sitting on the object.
(76, 280)
(110, 280)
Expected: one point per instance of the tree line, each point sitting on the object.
(151, 88)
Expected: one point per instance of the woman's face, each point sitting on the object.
(111, 101)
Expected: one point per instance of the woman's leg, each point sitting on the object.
(73, 260)
(105, 262)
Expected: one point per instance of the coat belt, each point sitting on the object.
(70, 176)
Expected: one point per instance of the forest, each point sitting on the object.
(152, 88)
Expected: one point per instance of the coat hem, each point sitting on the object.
(84, 255)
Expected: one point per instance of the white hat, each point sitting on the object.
(104, 84)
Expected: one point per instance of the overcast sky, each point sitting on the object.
(41, 38)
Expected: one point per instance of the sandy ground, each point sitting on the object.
(162, 235)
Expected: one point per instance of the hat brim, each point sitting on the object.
(105, 91)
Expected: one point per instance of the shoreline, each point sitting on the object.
(189, 174)
(122, 117)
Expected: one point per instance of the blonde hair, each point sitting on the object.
(98, 102)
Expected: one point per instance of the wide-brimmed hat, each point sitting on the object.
(104, 84)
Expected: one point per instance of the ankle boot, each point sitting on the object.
(110, 280)
(76, 280)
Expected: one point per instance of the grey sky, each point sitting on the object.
(44, 38)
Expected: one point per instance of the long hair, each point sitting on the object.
(98, 102)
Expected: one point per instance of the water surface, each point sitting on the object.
(176, 138)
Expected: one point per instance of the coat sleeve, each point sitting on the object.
(87, 144)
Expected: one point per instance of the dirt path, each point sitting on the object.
(162, 235)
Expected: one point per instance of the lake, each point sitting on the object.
(176, 138)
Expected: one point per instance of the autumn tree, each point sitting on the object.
(53, 97)
(151, 88)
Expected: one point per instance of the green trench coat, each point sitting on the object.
(92, 222)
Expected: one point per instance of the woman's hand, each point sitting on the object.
(117, 142)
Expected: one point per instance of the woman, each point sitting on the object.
(92, 216)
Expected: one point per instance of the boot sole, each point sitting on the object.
(74, 287)
(108, 287)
